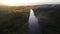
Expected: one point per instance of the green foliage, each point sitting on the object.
(49, 19)
(13, 22)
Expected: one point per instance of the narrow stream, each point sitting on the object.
(33, 23)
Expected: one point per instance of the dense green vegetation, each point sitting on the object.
(13, 20)
(49, 19)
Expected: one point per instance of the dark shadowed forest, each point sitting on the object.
(14, 19)
(49, 18)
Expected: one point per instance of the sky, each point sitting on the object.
(27, 2)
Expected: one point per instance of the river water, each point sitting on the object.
(33, 23)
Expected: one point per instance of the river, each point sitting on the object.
(33, 23)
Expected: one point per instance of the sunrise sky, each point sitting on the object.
(27, 2)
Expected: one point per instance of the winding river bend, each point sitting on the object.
(33, 23)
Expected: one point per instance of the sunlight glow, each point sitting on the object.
(26, 2)
(17, 2)
(10, 2)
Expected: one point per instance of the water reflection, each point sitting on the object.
(33, 23)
